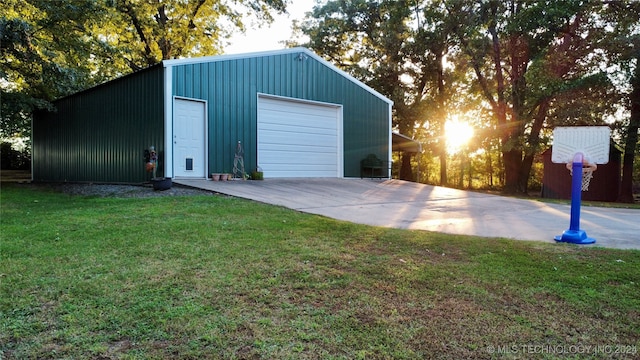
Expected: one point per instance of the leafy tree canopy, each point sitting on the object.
(167, 29)
(52, 48)
(528, 65)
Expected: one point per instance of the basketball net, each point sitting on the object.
(587, 173)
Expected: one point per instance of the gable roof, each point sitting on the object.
(301, 51)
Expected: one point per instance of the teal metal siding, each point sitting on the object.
(231, 88)
(99, 135)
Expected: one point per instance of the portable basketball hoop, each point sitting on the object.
(581, 148)
(587, 173)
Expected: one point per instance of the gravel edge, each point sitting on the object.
(117, 190)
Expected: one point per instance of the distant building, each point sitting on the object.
(604, 186)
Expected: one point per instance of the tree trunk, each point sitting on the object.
(443, 165)
(490, 168)
(163, 42)
(441, 115)
(405, 127)
(534, 142)
(470, 173)
(461, 178)
(626, 187)
(405, 167)
(512, 161)
(511, 155)
(148, 53)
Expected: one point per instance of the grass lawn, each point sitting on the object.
(214, 277)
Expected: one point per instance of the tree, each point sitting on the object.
(530, 65)
(433, 41)
(526, 56)
(156, 30)
(392, 47)
(52, 48)
(622, 41)
(41, 57)
(631, 143)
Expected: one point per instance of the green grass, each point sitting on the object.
(223, 278)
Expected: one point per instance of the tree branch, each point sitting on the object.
(127, 9)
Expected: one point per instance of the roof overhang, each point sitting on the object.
(404, 143)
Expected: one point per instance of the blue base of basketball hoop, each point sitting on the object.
(575, 237)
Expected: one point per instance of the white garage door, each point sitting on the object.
(299, 139)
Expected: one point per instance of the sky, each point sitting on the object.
(268, 37)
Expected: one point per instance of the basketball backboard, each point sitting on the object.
(591, 141)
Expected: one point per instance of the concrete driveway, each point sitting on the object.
(407, 205)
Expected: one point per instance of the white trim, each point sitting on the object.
(296, 50)
(206, 133)
(339, 125)
(340, 141)
(305, 101)
(226, 57)
(390, 156)
(168, 122)
(32, 147)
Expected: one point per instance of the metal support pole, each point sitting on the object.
(574, 235)
(576, 194)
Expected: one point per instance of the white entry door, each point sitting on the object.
(189, 138)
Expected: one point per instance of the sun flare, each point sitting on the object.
(458, 134)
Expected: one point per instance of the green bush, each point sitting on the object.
(257, 175)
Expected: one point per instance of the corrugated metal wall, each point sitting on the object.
(99, 135)
(231, 88)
